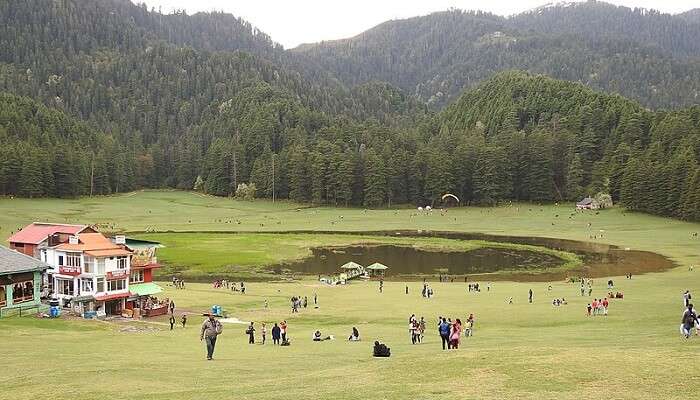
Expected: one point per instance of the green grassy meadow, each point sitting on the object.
(519, 351)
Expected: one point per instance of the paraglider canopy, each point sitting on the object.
(450, 195)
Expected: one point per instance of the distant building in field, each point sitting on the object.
(588, 203)
(20, 282)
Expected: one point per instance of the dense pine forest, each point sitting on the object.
(106, 96)
(651, 57)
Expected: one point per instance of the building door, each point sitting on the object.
(113, 307)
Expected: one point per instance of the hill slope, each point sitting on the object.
(651, 57)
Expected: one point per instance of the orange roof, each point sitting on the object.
(103, 253)
(94, 243)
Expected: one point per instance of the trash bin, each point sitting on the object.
(216, 310)
(54, 311)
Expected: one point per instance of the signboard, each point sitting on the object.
(65, 270)
(119, 274)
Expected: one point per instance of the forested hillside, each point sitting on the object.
(651, 57)
(103, 97)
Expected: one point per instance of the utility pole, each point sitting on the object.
(92, 174)
(273, 177)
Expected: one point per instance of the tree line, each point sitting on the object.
(108, 97)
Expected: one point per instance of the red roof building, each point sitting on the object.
(39, 234)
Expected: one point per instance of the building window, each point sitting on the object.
(60, 261)
(101, 266)
(86, 286)
(22, 292)
(136, 276)
(101, 284)
(72, 259)
(89, 265)
(64, 286)
(3, 297)
(119, 284)
(121, 262)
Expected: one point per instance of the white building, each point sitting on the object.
(91, 272)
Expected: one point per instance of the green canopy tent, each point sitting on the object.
(377, 267)
(351, 265)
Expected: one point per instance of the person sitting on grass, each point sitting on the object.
(355, 336)
(380, 350)
(318, 338)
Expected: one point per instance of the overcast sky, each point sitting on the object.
(292, 22)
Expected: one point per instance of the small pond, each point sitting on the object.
(407, 262)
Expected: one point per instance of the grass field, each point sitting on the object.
(531, 351)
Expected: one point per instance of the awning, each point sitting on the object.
(84, 298)
(377, 267)
(351, 265)
(144, 289)
(108, 297)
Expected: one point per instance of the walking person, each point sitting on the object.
(211, 328)
(406, 289)
(251, 333)
(276, 334)
(283, 330)
(183, 320)
(306, 302)
(686, 298)
(242, 288)
(172, 307)
(688, 321)
(172, 322)
(529, 296)
(456, 333)
(263, 332)
(315, 299)
(605, 304)
(444, 330)
(421, 330)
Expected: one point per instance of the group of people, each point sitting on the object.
(279, 333)
(427, 291)
(597, 307)
(178, 283)
(451, 331)
(474, 287)
(183, 320)
(299, 302)
(416, 328)
(226, 284)
(559, 302)
(586, 284)
(153, 302)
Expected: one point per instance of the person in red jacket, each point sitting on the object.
(605, 306)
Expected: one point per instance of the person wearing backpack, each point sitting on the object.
(211, 328)
(251, 333)
(444, 330)
(688, 321)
